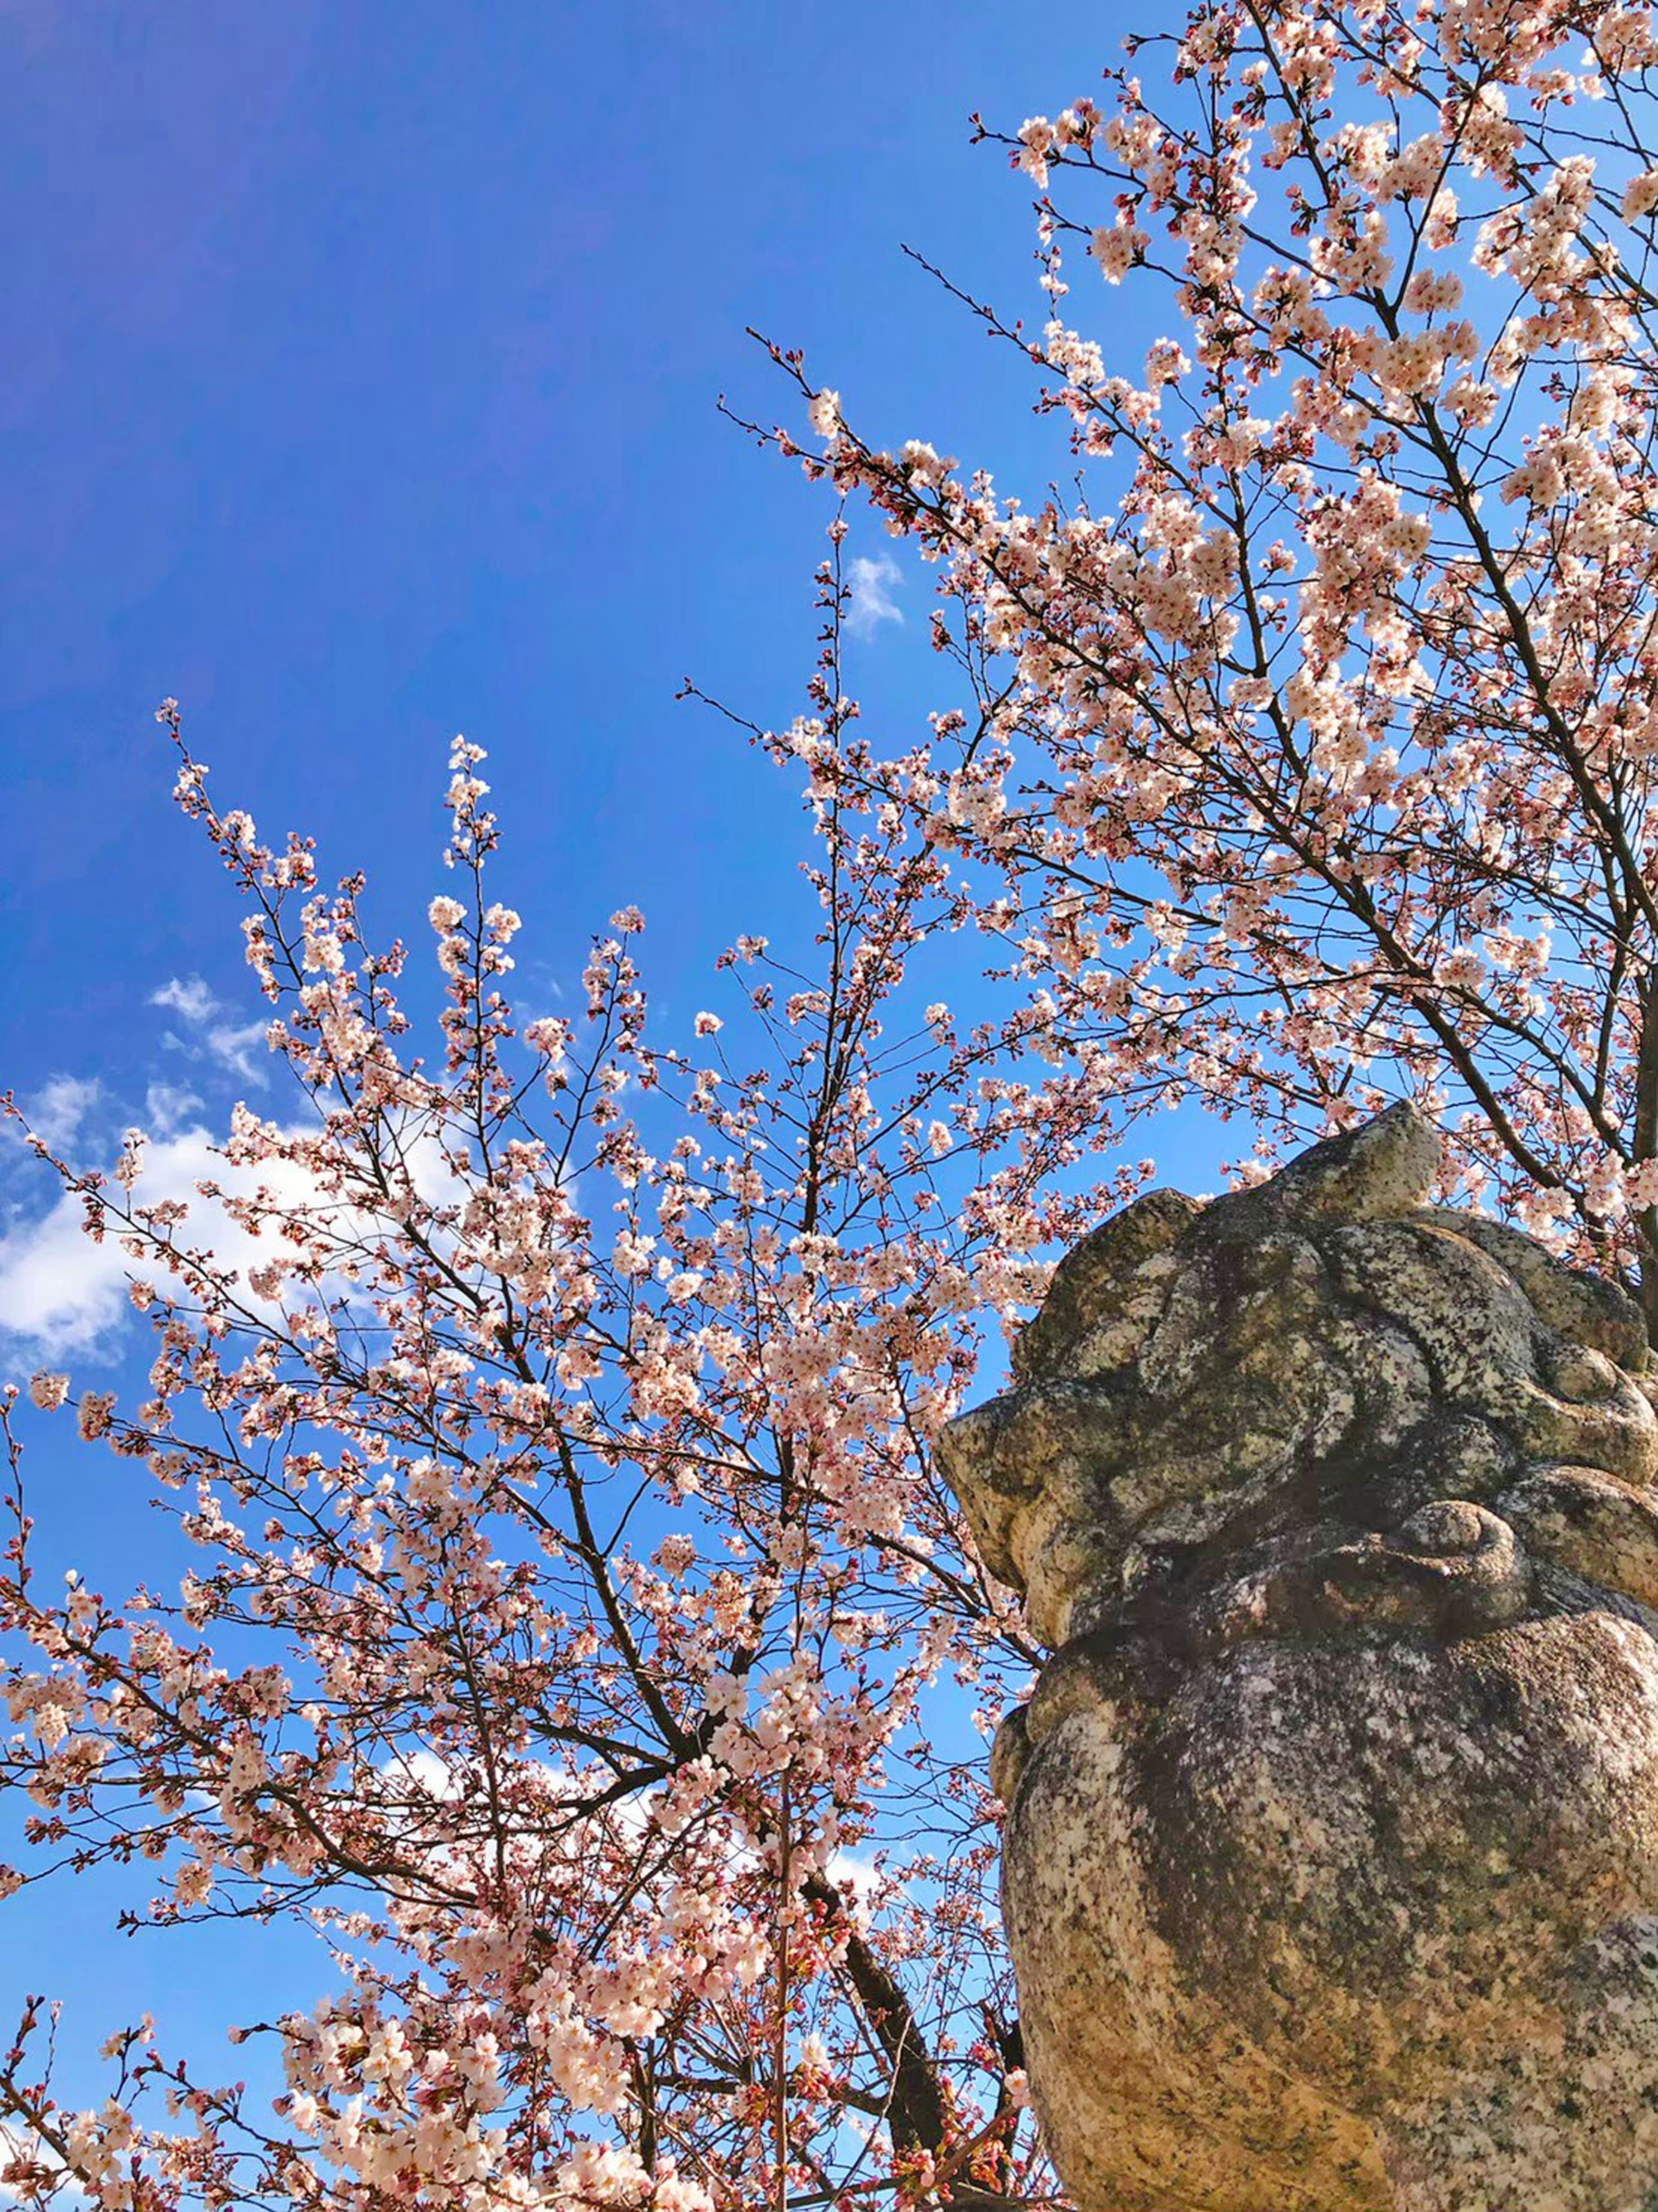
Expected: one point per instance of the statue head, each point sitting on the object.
(1208, 1384)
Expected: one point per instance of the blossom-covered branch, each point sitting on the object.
(1312, 751)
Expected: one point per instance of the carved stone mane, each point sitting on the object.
(1331, 1857)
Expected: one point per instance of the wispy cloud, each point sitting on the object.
(872, 602)
(167, 1108)
(58, 1111)
(61, 1292)
(62, 1295)
(237, 1045)
(187, 996)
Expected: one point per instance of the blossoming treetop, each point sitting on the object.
(1310, 735)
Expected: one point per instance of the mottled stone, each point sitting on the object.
(1331, 1855)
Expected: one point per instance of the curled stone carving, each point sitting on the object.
(1331, 1857)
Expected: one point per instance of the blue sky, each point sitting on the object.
(363, 365)
(363, 377)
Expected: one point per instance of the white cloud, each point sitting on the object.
(62, 1294)
(239, 1046)
(870, 601)
(186, 995)
(167, 1107)
(240, 1049)
(56, 1111)
(857, 1880)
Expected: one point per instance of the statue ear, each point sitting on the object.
(1377, 1172)
(1092, 1281)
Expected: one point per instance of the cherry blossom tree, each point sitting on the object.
(563, 1615)
(575, 1632)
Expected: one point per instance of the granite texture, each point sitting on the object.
(1330, 1857)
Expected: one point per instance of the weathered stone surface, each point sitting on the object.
(1331, 1856)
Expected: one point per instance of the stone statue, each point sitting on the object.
(1330, 1858)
